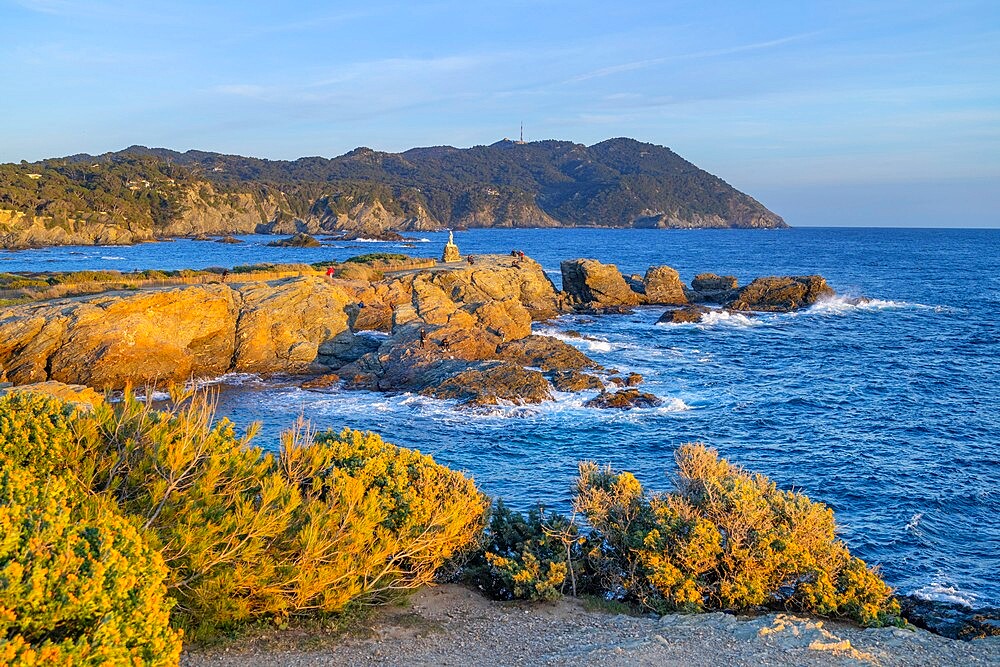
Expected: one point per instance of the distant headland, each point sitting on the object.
(141, 194)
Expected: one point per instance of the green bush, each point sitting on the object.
(533, 557)
(78, 585)
(15, 281)
(724, 539)
(379, 257)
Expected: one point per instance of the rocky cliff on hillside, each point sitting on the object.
(142, 193)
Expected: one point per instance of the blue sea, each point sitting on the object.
(888, 411)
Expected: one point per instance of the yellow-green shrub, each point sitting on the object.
(78, 585)
(376, 519)
(36, 431)
(725, 539)
(248, 535)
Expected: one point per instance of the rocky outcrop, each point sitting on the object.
(546, 353)
(781, 293)
(591, 284)
(462, 333)
(281, 326)
(624, 399)
(21, 230)
(161, 336)
(708, 287)
(298, 240)
(662, 286)
(74, 394)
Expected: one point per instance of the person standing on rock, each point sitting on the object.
(423, 338)
(471, 260)
(329, 272)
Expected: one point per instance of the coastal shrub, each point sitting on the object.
(15, 281)
(78, 584)
(245, 534)
(376, 520)
(533, 557)
(75, 277)
(37, 432)
(724, 539)
(379, 258)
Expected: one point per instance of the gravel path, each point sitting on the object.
(452, 625)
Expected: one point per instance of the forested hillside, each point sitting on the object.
(142, 193)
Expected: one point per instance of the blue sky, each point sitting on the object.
(869, 113)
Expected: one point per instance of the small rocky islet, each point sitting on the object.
(461, 330)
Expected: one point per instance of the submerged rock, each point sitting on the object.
(624, 399)
(574, 381)
(781, 293)
(686, 315)
(228, 239)
(322, 382)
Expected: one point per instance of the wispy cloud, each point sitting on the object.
(653, 62)
(103, 11)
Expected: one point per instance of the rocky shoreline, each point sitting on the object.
(461, 330)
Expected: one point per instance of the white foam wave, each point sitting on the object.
(591, 343)
(368, 241)
(674, 405)
(940, 592)
(841, 304)
(726, 318)
(231, 379)
(111, 257)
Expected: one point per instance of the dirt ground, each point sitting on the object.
(453, 625)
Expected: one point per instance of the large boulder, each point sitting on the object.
(592, 284)
(663, 286)
(108, 340)
(281, 327)
(713, 288)
(781, 293)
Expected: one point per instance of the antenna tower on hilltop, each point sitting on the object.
(522, 134)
